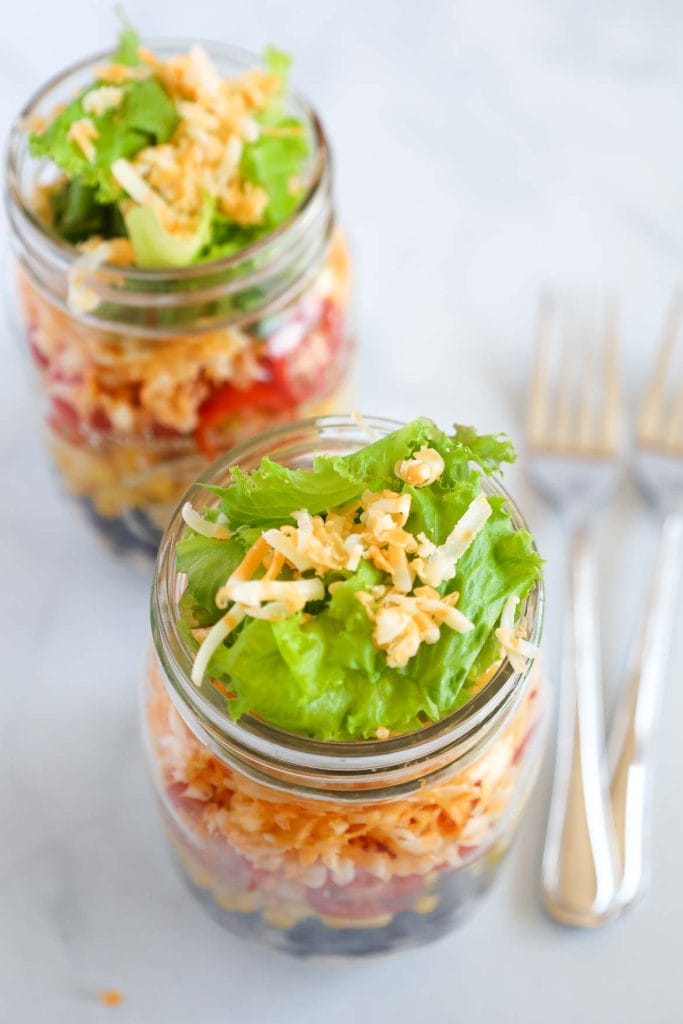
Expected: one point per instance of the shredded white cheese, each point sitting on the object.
(229, 163)
(280, 541)
(244, 571)
(249, 129)
(81, 297)
(518, 649)
(369, 431)
(137, 188)
(204, 74)
(215, 531)
(212, 641)
(273, 611)
(293, 593)
(440, 565)
(98, 101)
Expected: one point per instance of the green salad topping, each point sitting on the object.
(186, 164)
(361, 598)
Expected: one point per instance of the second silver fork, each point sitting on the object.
(573, 434)
(633, 739)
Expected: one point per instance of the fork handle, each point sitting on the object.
(579, 876)
(632, 748)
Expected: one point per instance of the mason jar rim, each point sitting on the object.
(267, 752)
(66, 253)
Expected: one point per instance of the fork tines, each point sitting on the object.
(574, 401)
(660, 419)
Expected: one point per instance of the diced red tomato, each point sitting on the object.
(61, 376)
(100, 422)
(521, 749)
(466, 850)
(162, 431)
(304, 372)
(188, 807)
(366, 896)
(227, 404)
(231, 867)
(65, 421)
(39, 357)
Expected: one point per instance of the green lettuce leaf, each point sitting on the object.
(86, 205)
(129, 42)
(321, 675)
(500, 562)
(269, 495)
(227, 238)
(274, 162)
(208, 563)
(154, 246)
(77, 215)
(326, 679)
(278, 63)
(272, 492)
(146, 116)
(489, 451)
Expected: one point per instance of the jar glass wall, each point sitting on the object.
(327, 848)
(146, 374)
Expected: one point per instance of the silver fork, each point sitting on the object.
(659, 468)
(573, 436)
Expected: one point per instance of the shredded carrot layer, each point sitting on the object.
(429, 829)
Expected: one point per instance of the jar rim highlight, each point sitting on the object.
(123, 290)
(357, 770)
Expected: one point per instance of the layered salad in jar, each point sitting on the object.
(202, 301)
(363, 601)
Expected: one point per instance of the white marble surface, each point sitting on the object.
(482, 147)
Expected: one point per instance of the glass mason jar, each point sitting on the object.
(329, 848)
(168, 367)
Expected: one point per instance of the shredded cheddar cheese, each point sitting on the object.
(402, 623)
(424, 468)
(217, 116)
(316, 543)
(386, 543)
(119, 74)
(83, 133)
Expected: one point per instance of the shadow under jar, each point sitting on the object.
(328, 848)
(168, 367)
